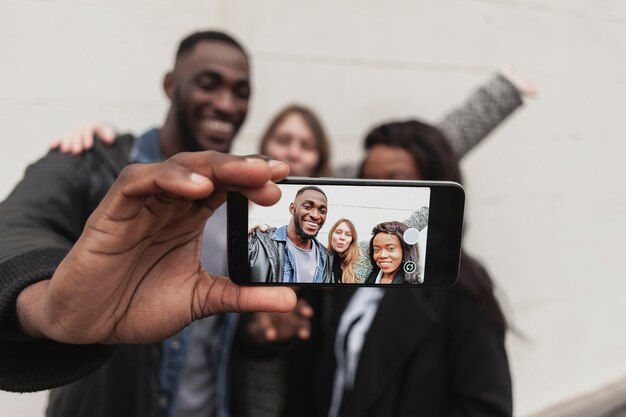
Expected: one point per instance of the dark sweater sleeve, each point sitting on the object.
(39, 222)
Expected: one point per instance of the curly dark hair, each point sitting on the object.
(410, 253)
(426, 144)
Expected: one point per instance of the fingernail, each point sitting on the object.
(254, 160)
(197, 178)
(273, 163)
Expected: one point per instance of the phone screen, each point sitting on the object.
(347, 232)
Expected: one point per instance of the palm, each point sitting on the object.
(155, 274)
(134, 275)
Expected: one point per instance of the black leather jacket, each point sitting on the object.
(266, 256)
(39, 222)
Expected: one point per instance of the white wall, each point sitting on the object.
(546, 207)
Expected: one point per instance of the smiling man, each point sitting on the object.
(208, 89)
(291, 253)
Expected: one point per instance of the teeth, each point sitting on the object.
(219, 126)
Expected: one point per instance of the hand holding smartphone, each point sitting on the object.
(346, 232)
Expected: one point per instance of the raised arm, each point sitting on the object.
(484, 110)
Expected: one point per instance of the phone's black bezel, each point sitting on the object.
(443, 246)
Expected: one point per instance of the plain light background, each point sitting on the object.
(546, 208)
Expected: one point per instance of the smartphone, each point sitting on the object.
(328, 232)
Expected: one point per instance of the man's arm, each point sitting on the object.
(263, 266)
(39, 222)
(482, 112)
(134, 275)
(41, 219)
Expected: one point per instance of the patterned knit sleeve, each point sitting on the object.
(418, 219)
(363, 267)
(483, 111)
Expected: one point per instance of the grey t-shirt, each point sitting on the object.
(306, 261)
(197, 395)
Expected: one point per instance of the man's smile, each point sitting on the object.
(217, 128)
(311, 225)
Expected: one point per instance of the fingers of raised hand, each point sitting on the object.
(296, 323)
(280, 327)
(105, 132)
(258, 226)
(525, 87)
(261, 328)
(303, 309)
(82, 138)
(70, 142)
(305, 313)
(77, 141)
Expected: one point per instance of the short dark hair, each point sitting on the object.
(310, 187)
(192, 40)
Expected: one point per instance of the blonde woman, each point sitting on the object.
(344, 251)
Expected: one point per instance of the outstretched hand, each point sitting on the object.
(281, 327)
(262, 227)
(134, 275)
(81, 139)
(525, 87)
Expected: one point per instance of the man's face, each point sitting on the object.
(210, 91)
(309, 213)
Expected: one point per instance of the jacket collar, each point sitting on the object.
(280, 234)
(290, 274)
(147, 148)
